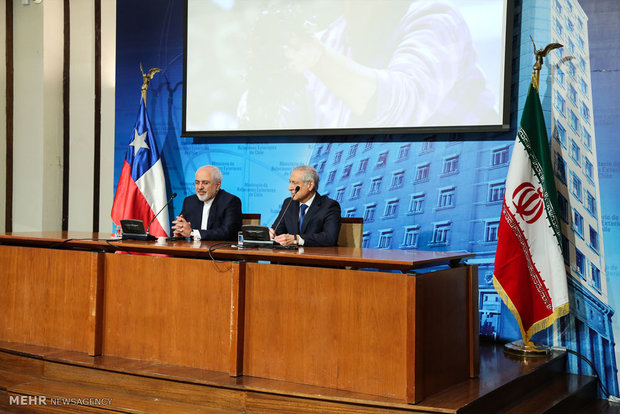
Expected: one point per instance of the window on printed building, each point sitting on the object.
(580, 41)
(558, 6)
(340, 194)
(368, 146)
(410, 239)
(574, 121)
(596, 277)
(321, 167)
(572, 94)
(356, 191)
(560, 167)
(574, 151)
(583, 86)
(350, 212)
(352, 150)
(588, 168)
(363, 165)
(422, 172)
(398, 179)
(328, 148)
(593, 239)
(385, 239)
(578, 223)
(590, 204)
(586, 138)
(490, 231)
(572, 69)
(331, 176)
(582, 64)
(366, 239)
(338, 157)
(375, 185)
(559, 133)
(496, 192)
(369, 212)
(446, 197)
(559, 76)
(417, 203)
(585, 112)
(575, 185)
(559, 103)
(403, 152)
(441, 232)
(427, 146)
(557, 26)
(451, 165)
(391, 208)
(580, 263)
(570, 26)
(382, 160)
(347, 170)
(563, 206)
(499, 156)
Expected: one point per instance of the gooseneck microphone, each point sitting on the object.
(148, 235)
(275, 228)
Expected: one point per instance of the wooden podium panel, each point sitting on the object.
(395, 335)
(326, 327)
(300, 318)
(168, 309)
(49, 297)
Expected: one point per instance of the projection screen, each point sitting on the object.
(280, 67)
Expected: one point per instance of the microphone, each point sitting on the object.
(275, 228)
(148, 235)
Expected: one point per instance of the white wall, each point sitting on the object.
(82, 102)
(37, 132)
(2, 116)
(108, 79)
(38, 110)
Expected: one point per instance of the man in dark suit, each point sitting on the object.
(311, 219)
(211, 213)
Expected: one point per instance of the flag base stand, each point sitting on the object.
(526, 350)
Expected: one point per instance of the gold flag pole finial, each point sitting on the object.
(146, 80)
(540, 54)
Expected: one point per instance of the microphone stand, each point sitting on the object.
(287, 206)
(148, 235)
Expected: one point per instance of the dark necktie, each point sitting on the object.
(304, 207)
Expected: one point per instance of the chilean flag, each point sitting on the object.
(141, 189)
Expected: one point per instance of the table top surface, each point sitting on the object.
(387, 259)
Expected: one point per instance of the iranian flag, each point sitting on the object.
(530, 275)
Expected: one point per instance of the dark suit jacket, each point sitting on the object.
(224, 216)
(321, 224)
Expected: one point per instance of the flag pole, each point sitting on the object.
(529, 325)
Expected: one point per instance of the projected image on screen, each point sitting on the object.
(343, 65)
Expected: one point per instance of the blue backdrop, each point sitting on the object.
(437, 192)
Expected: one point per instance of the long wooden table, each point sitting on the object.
(400, 324)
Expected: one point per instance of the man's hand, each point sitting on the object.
(286, 239)
(181, 227)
